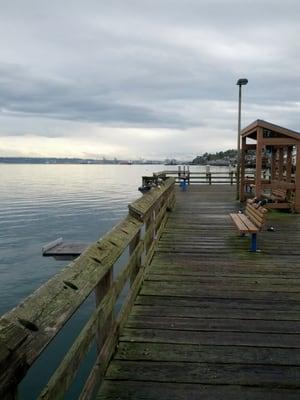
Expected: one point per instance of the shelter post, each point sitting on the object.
(258, 162)
(297, 180)
(273, 165)
(289, 164)
(280, 164)
(243, 164)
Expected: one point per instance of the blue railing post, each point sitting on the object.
(253, 242)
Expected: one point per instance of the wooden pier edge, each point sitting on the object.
(203, 317)
(27, 330)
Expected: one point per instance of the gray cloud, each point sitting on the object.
(149, 65)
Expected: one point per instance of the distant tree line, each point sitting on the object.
(228, 156)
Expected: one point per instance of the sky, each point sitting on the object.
(143, 78)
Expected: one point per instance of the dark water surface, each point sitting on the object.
(39, 203)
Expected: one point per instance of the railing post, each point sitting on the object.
(100, 291)
(209, 178)
(132, 246)
(231, 177)
(150, 225)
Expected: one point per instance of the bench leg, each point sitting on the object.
(253, 242)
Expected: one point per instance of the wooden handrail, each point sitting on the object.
(201, 177)
(26, 330)
(142, 207)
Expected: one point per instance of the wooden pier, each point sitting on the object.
(212, 320)
(204, 317)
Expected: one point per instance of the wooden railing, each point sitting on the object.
(208, 178)
(28, 329)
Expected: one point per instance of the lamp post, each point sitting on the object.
(241, 82)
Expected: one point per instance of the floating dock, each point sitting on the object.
(62, 250)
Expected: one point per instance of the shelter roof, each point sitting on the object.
(251, 129)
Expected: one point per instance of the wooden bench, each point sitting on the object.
(277, 195)
(278, 199)
(250, 222)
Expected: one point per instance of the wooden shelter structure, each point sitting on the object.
(276, 147)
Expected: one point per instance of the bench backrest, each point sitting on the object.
(281, 193)
(257, 214)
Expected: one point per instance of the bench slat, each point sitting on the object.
(257, 209)
(254, 218)
(239, 223)
(251, 227)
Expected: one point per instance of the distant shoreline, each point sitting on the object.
(54, 161)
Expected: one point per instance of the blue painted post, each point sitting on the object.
(253, 242)
(183, 184)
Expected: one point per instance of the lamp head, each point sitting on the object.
(242, 82)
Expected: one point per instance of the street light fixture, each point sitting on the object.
(241, 82)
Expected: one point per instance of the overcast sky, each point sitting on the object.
(143, 78)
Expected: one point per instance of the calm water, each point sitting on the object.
(40, 203)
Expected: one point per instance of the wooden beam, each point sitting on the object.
(278, 184)
(273, 163)
(288, 165)
(297, 180)
(278, 129)
(97, 373)
(250, 146)
(243, 163)
(249, 129)
(132, 247)
(142, 208)
(66, 372)
(279, 141)
(100, 291)
(47, 310)
(258, 162)
(280, 164)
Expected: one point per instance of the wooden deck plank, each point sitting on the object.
(217, 311)
(212, 320)
(194, 289)
(218, 269)
(278, 340)
(135, 390)
(212, 324)
(162, 352)
(247, 281)
(214, 373)
(227, 304)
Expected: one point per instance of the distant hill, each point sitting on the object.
(219, 158)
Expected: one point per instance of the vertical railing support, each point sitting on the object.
(100, 291)
(150, 225)
(132, 246)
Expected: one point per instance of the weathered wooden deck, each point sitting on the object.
(212, 320)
